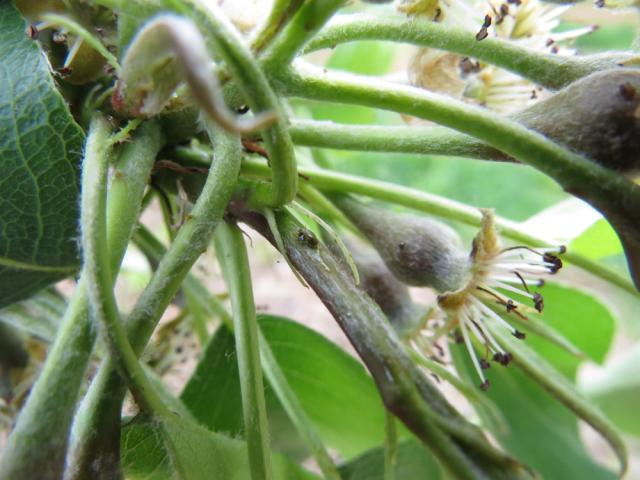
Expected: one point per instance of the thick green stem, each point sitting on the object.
(435, 205)
(390, 447)
(404, 390)
(397, 139)
(547, 69)
(612, 194)
(232, 255)
(38, 443)
(93, 215)
(96, 433)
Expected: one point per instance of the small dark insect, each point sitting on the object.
(308, 238)
(32, 32)
(627, 91)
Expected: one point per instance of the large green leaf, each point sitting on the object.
(413, 461)
(40, 150)
(616, 389)
(542, 432)
(598, 241)
(333, 388)
(168, 448)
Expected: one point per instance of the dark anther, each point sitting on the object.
(506, 359)
(554, 49)
(179, 349)
(482, 34)
(504, 9)
(519, 335)
(242, 110)
(401, 245)
(534, 95)
(457, 337)
(555, 261)
(549, 42)
(484, 364)
(487, 21)
(306, 237)
(510, 306)
(514, 2)
(627, 91)
(484, 386)
(468, 66)
(436, 17)
(599, 3)
(538, 301)
(32, 32)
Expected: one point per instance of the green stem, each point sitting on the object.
(396, 139)
(390, 446)
(288, 398)
(40, 437)
(258, 94)
(97, 265)
(547, 69)
(96, 432)
(281, 12)
(232, 255)
(300, 30)
(435, 205)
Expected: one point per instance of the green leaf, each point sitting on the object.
(333, 388)
(40, 147)
(598, 241)
(413, 461)
(39, 315)
(168, 447)
(616, 389)
(543, 433)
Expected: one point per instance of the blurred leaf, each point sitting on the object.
(39, 315)
(333, 388)
(366, 58)
(413, 461)
(616, 389)
(155, 449)
(544, 434)
(483, 184)
(607, 37)
(40, 146)
(598, 241)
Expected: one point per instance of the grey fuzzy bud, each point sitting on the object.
(417, 250)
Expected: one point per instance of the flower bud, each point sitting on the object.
(597, 116)
(417, 250)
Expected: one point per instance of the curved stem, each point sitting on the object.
(435, 205)
(397, 139)
(260, 97)
(97, 266)
(281, 12)
(549, 70)
(97, 424)
(40, 436)
(232, 255)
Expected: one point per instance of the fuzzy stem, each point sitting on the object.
(98, 271)
(97, 429)
(300, 30)
(435, 205)
(396, 139)
(258, 93)
(232, 255)
(40, 436)
(547, 69)
(281, 12)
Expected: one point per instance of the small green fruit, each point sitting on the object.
(597, 116)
